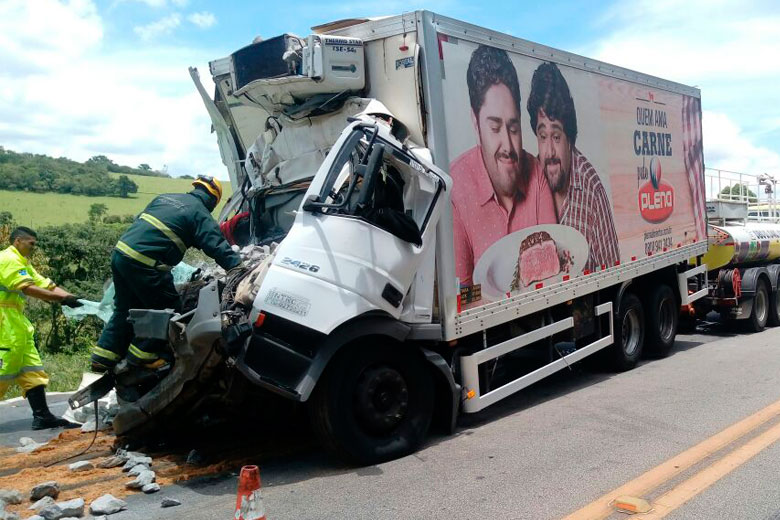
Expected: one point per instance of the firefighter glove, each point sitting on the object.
(71, 301)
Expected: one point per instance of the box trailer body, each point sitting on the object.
(446, 198)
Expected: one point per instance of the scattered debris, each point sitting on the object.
(170, 502)
(146, 477)
(45, 489)
(62, 510)
(91, 425)
(82, 465)
(28, 445)
(195, 458)
(134, 459)
(154, 487)
(107, 505)
(43, 503)
(10, 496)
(137, 469)
(112, 462)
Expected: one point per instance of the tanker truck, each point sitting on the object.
(449, 215)
(744, 249)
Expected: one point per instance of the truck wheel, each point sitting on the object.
(629, 333)
(774, 308)
(760, 312)
(375, 403)
(662, 319)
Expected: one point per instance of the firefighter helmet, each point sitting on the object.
(211, 184)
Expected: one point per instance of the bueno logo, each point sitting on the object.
(656, 198)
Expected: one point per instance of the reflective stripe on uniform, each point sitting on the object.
(159, 224)
(140, 257)
(104, 353)
(31, 369)
(6, 289)
(9, 305)
(135, 255)
(140, 354)
(9, 377)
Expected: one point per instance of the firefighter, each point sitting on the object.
(141, 265)
(19, 359)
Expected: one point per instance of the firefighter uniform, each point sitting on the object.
(142, 261)
(19, 359)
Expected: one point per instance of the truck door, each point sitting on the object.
(367, 221)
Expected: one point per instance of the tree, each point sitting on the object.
(126, 186)
(96, 212)
(738, 192)
(145, 167)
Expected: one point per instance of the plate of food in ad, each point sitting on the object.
(521, 259)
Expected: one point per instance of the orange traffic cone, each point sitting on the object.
(249, 502)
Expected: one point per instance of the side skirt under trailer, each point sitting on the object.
(475, 402)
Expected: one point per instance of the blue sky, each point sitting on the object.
(86, 77)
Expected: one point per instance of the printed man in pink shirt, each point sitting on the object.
(498, 187)
(581, 201)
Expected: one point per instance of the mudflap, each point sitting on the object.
(196, 358)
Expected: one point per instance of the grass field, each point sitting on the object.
(44, 209)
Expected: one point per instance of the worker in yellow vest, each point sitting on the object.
(19, 359)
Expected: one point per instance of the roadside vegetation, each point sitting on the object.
(48, 209)
(76, 235)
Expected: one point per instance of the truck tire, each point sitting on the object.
(375, 403)
(774, 308)
(760, 312)
(662, 320)
(629, 333)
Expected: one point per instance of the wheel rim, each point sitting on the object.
(381, 399)
(665, 320)
(630, 332)
(760, 307)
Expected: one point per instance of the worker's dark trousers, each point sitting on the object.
(136, 286)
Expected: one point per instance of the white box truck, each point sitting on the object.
(459, 213)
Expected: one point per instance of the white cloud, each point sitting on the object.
(159, 28)
(727, 148)
(151, 3)
(724, 47)
(36, 34)
(63, 94)
(181, 3)
(203, 19)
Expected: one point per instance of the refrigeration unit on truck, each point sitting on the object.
(459, 213)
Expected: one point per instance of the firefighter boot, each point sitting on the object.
(43, 419)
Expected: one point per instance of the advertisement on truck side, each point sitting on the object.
(560, 172)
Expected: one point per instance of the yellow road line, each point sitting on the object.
(683, 492)
(642, 485)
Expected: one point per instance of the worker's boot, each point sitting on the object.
(43, 419)
(135, 380)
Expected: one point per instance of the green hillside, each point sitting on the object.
(42, 209)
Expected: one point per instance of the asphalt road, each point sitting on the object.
(548, 451)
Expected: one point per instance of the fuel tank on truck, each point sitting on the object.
(754, 242)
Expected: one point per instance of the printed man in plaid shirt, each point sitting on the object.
(580, 199)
